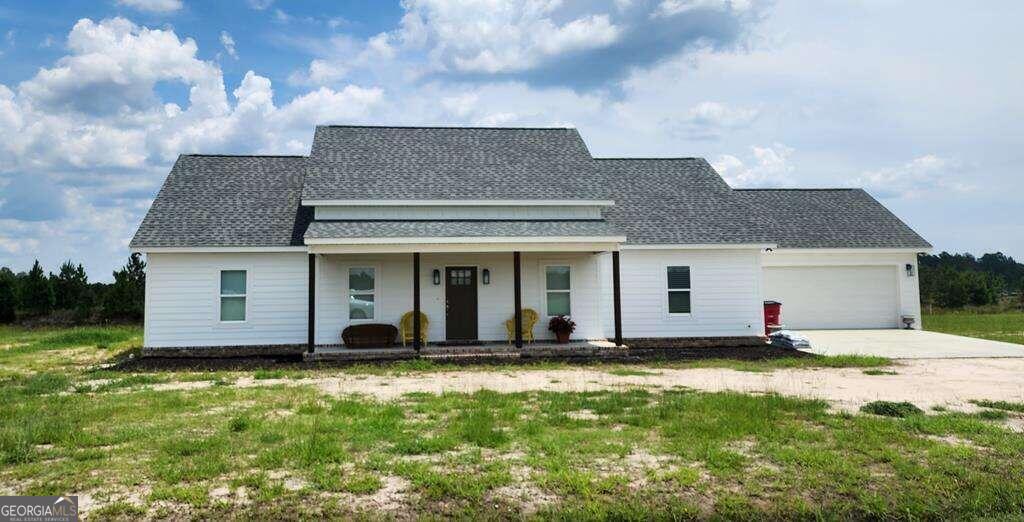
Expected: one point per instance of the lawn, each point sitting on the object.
(1006, 326)
(291, 451)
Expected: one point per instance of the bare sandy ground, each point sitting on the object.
(926, 382)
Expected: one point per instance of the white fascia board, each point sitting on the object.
(458, 202)
(463, 240)
(852, 250)
(462, 248)
(703, 246)
(225, 249)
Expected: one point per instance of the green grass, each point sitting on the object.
(1006, 326)
(1001, 405)
(291, 451)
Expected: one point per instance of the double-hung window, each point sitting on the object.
(678, 289)
(558, 287)
(232, 296)
(362, 292)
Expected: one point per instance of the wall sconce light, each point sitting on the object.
(486, 276)
(910, 270)
(437, 276)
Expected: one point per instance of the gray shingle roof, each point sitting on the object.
(382, 229)
(213, 200)
(676, 201)
(829, 218)
(349, 162)
(227, 201)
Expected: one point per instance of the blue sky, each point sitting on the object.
(918, 102)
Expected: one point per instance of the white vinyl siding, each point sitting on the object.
(183, 299)
(725, 293)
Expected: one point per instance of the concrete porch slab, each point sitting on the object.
(483, 350)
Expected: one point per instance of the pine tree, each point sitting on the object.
(8, 295)
(36, 292)
(126, 298)
(69, 286)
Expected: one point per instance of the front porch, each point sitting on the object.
(467, 297)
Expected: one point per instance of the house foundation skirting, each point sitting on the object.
(668, 343)
(268, 350)
(540, 349)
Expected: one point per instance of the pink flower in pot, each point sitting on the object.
(563, 326)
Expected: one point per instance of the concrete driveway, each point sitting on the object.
(906, 344)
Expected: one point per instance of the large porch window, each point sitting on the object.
(558, 284)
(362, 293)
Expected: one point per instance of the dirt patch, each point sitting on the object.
(582, 415)
(953, 440)
(393, 498)
(925, 382)
(527, 498)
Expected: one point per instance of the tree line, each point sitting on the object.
(68, 297)
(959, 280)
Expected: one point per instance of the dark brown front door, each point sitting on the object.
(460, 305)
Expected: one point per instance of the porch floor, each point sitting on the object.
(482, 350)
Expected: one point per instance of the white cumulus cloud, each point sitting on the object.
(229, 44)
(769, 166)
(916, 178)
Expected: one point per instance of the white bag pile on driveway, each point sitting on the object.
(789, 339)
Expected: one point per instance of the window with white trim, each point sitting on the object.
(233, 296)
(678, 289)
(362, 293)
(558, 286)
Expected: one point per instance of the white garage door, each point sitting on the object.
(834, 296)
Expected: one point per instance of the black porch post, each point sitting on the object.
(518, 292)
(617, 297)
(416, 301)
(312, 302)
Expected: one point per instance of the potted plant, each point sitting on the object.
(562, 325)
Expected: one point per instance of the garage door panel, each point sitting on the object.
(834, 296)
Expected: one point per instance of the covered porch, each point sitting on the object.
(468, 287)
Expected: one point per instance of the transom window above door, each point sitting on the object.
(362, 292)
(558, 287)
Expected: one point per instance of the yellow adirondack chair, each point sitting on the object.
(405, 327)
(530, 317)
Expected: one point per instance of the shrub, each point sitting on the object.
(891, 409)
(562, 324)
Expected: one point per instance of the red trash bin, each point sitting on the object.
(772, 315)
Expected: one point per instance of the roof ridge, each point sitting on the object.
(475, 127)
(797, 189)
(649, 158)
(245, 155)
